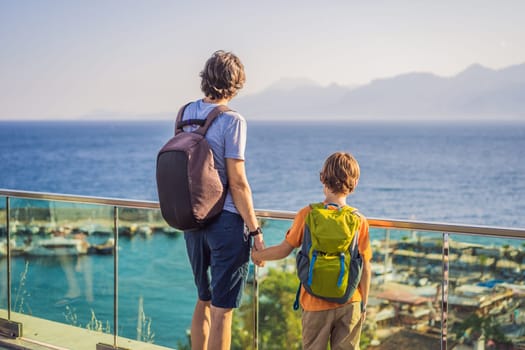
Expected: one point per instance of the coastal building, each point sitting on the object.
(467, 299)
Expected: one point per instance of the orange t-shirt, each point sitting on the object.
(294, 237)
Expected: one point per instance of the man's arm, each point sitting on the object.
(242, 196)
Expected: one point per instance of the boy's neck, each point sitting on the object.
(336, 199)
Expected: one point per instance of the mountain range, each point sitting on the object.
(475, 93)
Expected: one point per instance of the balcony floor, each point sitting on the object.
(40, 334)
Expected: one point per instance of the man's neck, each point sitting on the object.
(222, 101)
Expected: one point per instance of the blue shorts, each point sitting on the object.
(224, 250)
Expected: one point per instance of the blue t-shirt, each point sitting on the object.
(226, 137)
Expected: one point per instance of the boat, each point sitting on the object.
(15, 249)
(167, 230)
(144, 230)
(105, 248)
(57, 246)
(3, 247)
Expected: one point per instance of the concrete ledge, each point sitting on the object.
(101, 346)
(40, 334)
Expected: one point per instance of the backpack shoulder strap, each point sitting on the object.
(210, 118)
(203, 123)
(319, 205)
(178, 121)
(358, 228)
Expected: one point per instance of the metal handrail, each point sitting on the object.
(504, 232)
(141, 204)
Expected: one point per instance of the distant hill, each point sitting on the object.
(475, 93)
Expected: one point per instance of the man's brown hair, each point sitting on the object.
(340, 173)
(223, 76)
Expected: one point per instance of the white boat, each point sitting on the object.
(56, 246)
(3, 247)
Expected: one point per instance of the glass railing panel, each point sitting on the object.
(157, 294)
(60, 271)
(486, 290)
(155, 282)
(279, 324)
(3, 258)
(405, 289)
(180, 293)
(405, 297)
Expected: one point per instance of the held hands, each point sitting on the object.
(258, 246)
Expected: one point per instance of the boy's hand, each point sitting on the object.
(363, 316)
(255, 259)
(363, 312)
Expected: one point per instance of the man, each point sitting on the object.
(223, 246)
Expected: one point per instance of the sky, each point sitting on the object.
(68, 59)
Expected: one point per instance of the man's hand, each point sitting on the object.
(258, 245)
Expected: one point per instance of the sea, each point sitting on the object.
(456, 172)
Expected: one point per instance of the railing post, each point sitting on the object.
(7, 327)
(255, 307)
(102, 346)
(8, 244)
(387, 246)
(444, 292)
(115, 275)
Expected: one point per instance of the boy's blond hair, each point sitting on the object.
(340, 173)
(223, 76)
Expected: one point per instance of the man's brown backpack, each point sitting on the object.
(190, 190)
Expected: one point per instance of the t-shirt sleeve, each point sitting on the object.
(364, 240)
(235, 138)
(294, 236)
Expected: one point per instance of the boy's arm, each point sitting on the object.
(364, 284)
(366, 253)
(293, 239)
(275, 252)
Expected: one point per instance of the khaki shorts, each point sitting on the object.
(340, 327)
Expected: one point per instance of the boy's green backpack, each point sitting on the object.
(329, 265)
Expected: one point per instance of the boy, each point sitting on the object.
(326, 322)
